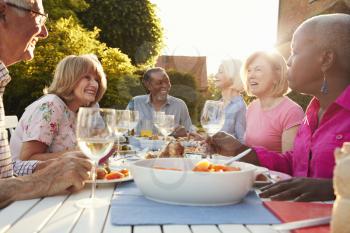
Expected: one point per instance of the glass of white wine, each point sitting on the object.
(122, 125)
(95, 136)
(134, 119)
(213, 116)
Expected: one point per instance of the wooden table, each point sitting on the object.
(59, 214)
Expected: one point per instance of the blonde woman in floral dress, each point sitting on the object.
(47, 127)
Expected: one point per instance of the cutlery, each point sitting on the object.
(237, 157)
(303, 223)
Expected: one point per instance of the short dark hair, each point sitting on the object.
(147, 75)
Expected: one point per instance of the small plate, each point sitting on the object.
(125, 152)
(105, 181)
(113, 169)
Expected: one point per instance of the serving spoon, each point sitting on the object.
(237, 157)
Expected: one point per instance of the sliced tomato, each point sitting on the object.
(114, 175)
(124, 171)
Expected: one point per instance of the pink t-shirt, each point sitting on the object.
(265, 127)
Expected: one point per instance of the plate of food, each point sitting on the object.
(107, 175)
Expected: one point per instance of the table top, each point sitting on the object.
(59, 214)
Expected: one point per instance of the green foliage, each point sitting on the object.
(213, 92)
(184, 86)
(66, 37)
(64, 8)
(131, 25)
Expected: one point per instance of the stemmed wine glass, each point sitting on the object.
(121, 127)
(213, 116)
(134, 119)
(95, 136)
(165, 124)
(157, 118)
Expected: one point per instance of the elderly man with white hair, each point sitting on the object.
(22, 24)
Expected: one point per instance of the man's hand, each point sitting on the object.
(300, 189)
(62, 175)
(224, 144)
(72, 153)
(180, 131)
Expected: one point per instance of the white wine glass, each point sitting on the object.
(213, 117)
(157, 118)
(122, 125)
(134, 119)
(95, 136)
(166, 125)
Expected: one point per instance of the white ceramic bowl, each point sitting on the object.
(186, 187)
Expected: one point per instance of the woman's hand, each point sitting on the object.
(224, 144)
(300, 189)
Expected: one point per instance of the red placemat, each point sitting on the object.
(293, 211)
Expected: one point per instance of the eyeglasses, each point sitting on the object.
(42, 19)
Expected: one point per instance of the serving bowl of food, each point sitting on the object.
(188, 181)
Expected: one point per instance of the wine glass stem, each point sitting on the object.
(93, 174)
(118, 143)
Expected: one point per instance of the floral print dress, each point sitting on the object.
(47, 120)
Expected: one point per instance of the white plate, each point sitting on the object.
(113, 169)
(105, 181)
(125, 152)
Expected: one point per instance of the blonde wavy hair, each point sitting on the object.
(278, 65)
(70, 70)
(231, 68)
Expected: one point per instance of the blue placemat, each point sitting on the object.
(130, 207)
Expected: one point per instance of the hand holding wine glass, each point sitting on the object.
(213, 116)
(95, 136)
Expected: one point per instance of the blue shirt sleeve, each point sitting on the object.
(131, 105)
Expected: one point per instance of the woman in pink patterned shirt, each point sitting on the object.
(318, 66)
(47, 127)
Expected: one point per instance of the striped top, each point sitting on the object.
(7, 168)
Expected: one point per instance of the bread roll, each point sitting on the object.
(341, 181)
(174, 149)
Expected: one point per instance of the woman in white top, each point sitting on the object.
(47, 127)
(229, 82)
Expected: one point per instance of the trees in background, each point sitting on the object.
(184, 86)
(66, 37)
(130, 25)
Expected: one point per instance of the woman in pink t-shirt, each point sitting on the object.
(273, 118)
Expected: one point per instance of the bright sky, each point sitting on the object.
(218, 29)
